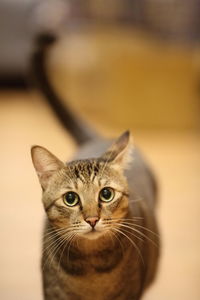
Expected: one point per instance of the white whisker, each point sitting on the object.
(63, 251)
(141, 233)
(132, 242)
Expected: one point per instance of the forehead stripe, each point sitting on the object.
(77, 171)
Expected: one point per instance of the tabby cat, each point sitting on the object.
(100, 239)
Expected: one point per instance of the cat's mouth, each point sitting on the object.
(93, 233)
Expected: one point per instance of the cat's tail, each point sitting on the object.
(78, 129)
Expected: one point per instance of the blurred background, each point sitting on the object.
(118, 64)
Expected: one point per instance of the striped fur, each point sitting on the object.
(119, 259)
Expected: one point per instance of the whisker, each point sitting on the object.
(49, 231)
(111, 237)
(53, 240)
(49, 252)
(55, 236)
(54, 244)
(135, 200)
(67, 240)
(51, 248)
(70, 242)
(115, 234)
(133, 218)
(59, 245)
(141, 233)
(57, 248)
(132, 242)
(120, 224)
(139, 238)
(52, 235)
(143, 227)
(63, 252)
(136, 225)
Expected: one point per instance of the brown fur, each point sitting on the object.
(119, 260)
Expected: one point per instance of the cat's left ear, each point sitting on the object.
(45, 163)
(119, 155)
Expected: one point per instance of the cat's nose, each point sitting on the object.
(92, 221)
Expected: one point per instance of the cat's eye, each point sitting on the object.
(71, 199)
(106, 194)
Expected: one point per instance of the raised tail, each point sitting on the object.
(78, 129)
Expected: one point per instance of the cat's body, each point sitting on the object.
(112, 269)
(98, 248)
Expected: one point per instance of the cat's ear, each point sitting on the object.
(45, 163)
(119, 155)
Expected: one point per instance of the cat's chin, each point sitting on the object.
(93, 234)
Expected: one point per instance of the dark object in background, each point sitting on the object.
(21, 21)
(15, 42)
(79, 130)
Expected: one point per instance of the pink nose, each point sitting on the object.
(92, 221)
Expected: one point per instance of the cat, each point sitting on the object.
(101, 239)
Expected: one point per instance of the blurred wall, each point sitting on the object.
(107, 63)
(127, 78)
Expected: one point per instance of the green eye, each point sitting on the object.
(106, 194)
(71, 199)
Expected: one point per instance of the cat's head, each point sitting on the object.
(87, 196)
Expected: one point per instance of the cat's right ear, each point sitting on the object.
(119, 155)
(45, 163)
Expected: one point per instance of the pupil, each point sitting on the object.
(70, 198)
(106, 193)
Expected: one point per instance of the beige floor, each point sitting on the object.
(25, 121)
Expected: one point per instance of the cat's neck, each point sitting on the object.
(86, 256)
